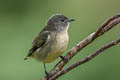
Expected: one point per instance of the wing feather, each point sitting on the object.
(38, 42)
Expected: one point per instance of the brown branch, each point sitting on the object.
(106, 26)
(84, 60)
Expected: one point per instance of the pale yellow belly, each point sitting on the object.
(52, 56)
(57, 50)
(51, 52)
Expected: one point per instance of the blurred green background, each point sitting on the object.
(21, 20)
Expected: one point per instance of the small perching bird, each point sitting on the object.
(52, 41)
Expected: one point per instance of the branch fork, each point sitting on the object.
(57, 71)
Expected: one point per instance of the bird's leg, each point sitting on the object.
(47, 74)
(63, 58)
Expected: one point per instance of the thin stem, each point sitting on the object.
(84, 60)
(106, 26)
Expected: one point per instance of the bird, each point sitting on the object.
(51, 41)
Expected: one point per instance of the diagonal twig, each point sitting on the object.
(106, 26)
(84, 60)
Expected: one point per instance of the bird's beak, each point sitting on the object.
(70, 20)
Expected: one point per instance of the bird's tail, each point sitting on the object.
(25, 58)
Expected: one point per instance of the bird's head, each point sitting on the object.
(59, 22)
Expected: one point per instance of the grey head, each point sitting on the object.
(58, 22)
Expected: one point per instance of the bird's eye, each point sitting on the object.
(62, 20)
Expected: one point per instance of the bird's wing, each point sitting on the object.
(39, 41)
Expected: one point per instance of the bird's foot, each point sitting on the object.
(47, 75)
(63, 58)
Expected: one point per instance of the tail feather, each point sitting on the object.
(25, 58)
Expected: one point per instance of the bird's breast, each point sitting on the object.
(62, 40)
(54, 48)
(58, 47)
